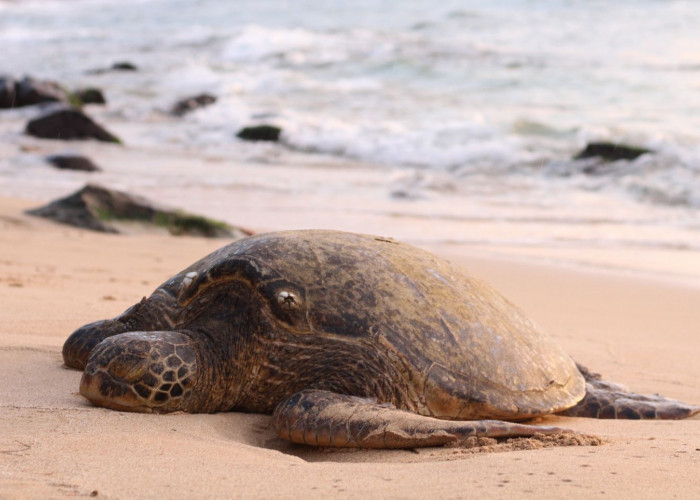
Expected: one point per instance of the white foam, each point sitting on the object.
(433, 145)
(297, 46)
(191, 77)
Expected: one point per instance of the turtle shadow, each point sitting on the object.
(479, 446)
(256, 430)
(37, 378)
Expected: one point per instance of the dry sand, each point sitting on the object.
(641, 331)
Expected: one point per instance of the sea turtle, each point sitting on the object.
(349, 340)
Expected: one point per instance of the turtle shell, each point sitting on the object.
(462, 349)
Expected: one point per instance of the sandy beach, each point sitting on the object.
(458, 127)
(636, 328)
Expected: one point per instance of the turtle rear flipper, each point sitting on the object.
(322, 418)
(605, 399)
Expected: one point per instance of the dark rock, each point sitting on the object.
(124, 66)
(82, 209)
(90, 95)
(611, 151)
(105, 210)
(191, 103)
(260, 133)
(8, 92)
(73, 162)
(30, 91)
(118, 66)
(68, 124)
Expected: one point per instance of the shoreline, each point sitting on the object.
(269, 187)
(490, 235)
(636, 330)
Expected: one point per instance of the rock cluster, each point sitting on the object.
(29, 91)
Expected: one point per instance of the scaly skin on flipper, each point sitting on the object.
(141, 371)
(322, 418)
(267, 317)
(609, 400)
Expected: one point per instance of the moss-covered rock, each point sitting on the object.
(100, 209)
(29, 91)
(90, 95)
(268, 133)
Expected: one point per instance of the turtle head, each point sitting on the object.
(142, 371)
(224, 310)
(77, 348)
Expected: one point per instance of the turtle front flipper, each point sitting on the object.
(322, 418)
(143, 372)
(605, 399)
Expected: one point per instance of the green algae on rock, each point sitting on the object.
(100, 209)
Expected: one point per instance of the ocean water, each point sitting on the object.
(481, 100)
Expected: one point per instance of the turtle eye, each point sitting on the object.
(288, 301)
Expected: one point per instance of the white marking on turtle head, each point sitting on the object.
(189, 277)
